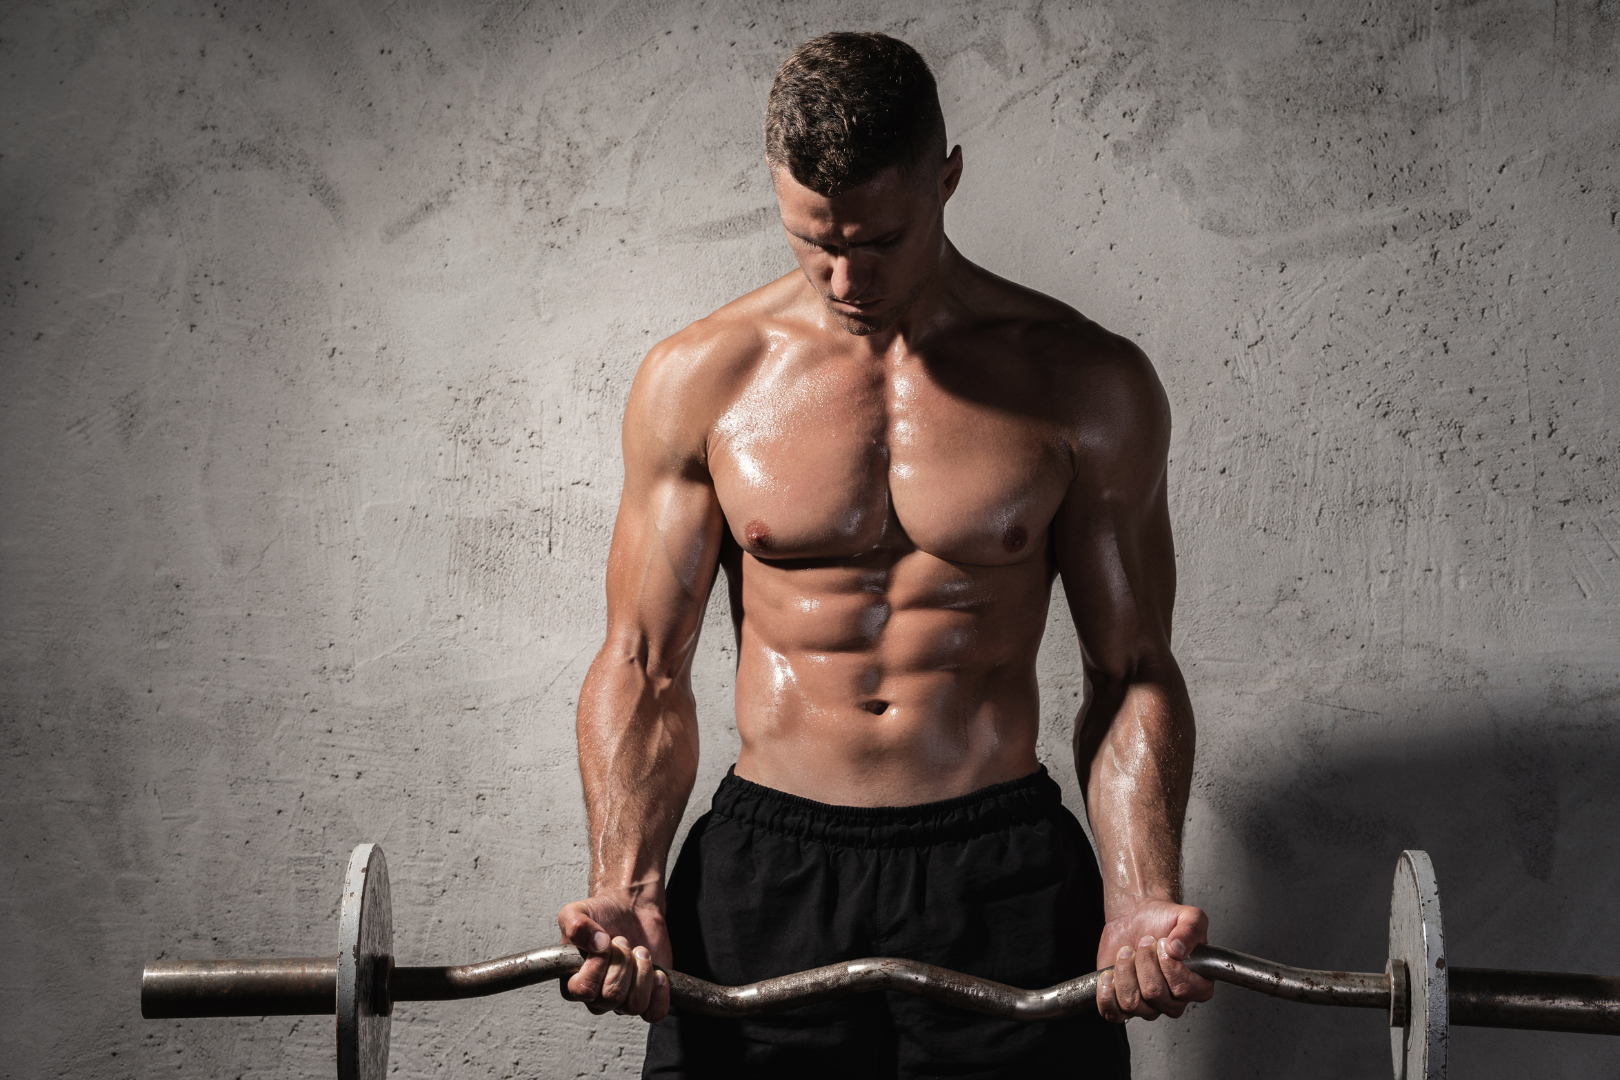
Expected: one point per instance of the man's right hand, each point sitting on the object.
(621, 937)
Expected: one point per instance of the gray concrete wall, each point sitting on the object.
(317, 323)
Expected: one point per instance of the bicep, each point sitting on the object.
(666, 537)
(1112, 536)
(666, 544)
(1117, 562)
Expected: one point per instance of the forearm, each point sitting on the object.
(1135, 749)
(1138, 769)
(638, 754)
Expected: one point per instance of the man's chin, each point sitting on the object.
(865, 324)
(862, 325)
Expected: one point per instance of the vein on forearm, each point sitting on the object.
(638, 760)
(1139, 773)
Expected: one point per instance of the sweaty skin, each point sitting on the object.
(891, 453)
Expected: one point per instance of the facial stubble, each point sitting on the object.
(867, 329)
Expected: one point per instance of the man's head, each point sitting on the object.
(856, 143)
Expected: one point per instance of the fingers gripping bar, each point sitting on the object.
(1416, 989)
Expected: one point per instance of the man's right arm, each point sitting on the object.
(637, 720)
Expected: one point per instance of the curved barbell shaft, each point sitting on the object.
(270, 987)
(1353, 989)
(689, 995)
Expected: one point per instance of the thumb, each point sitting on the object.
(1187, 934)
(1192, 926)
(581, 931)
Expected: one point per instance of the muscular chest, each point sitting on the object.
(832, 460)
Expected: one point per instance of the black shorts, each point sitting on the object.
(999, 883)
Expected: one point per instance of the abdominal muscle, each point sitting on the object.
(888, 681)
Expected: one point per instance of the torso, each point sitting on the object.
(890, 518)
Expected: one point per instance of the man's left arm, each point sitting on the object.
(1134, 737)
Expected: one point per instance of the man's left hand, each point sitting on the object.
(1145, 944)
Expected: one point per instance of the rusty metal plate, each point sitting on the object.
(365, 956)
(1415, 937)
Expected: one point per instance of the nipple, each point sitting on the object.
(758, 535)
(1013, 537)
(875, 707)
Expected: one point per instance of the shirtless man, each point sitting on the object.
(891, 453)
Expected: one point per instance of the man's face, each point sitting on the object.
(870, 251)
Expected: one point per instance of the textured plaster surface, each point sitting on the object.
(317, 321)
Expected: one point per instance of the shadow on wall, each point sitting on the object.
(1519, 814)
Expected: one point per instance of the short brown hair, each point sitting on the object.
(846, 106)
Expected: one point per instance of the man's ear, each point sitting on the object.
(950, 175)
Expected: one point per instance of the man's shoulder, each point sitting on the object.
(1101, 363)
(1097, 388)
(1074, 363)
(688, 380)
(713, 356)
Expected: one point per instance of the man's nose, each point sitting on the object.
(849, 278)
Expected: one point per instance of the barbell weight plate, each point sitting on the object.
(1416, 937)
(365, 953)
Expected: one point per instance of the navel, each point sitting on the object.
(1014, 537)
(758, 535)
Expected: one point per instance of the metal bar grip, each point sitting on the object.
(1347, 989)
(489, 977)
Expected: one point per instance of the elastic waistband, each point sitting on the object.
(1016, 802)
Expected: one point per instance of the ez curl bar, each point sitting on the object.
(1421, 993)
